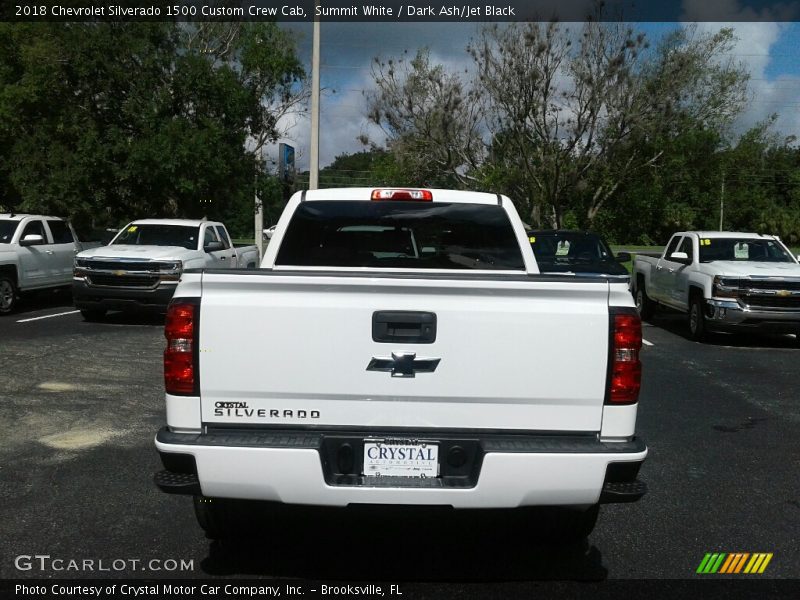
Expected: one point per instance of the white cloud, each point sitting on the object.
(347, 50)
(757, 37)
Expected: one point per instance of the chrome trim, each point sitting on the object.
(780, 293)
(124, 273)
(736, 312)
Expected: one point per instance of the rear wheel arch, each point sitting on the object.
(696, 290)
(10, 271)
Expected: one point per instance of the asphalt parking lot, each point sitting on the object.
(81, 402)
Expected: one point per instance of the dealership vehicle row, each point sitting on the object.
(722, 281)
(136, 271)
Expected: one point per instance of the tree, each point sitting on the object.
(762, 191)
(430, 118)
(560, 118)
(679, 191)
(104, 122)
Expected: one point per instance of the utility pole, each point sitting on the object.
(722, 201)
(313, 176)
(259, 213)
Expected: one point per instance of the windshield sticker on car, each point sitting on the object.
(132, 228)
(705, 242)
(563, 248)
(532, 239)
(741, 250)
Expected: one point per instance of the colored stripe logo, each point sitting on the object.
(734, 563)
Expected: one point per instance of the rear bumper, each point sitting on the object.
(87, 297)
(505, 471)
(730, 315)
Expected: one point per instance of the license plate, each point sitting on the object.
(400, 458)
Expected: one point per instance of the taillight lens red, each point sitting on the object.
(626, 368)
(402, 194)
(179, 355)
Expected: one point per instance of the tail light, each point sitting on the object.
(180, 356)
(402, 194)
(625, 368)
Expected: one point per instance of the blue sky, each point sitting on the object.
(767, 50)
(784, 53)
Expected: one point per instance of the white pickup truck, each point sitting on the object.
(400, 347)
(36, 253)
(723, 281)
(140, 268)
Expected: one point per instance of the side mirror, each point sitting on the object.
(680, 257)
(214, 246)
(623, 256)
(32, 239)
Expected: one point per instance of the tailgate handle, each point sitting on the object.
(407, 326)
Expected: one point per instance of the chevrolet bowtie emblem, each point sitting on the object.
(783, 293)
(404, 364)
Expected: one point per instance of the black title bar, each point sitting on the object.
(408, 11)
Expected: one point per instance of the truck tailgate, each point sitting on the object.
(524, 353)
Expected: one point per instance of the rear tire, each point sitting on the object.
(697, 318)
(577, 525)
(9, 295)
(227, 518)
(213, 516)
(644, 304)
(563, 525)
(93, 315)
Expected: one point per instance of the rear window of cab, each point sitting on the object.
(400, 234)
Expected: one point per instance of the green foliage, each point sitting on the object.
(106, 122)
(373, 167)
(757, 181)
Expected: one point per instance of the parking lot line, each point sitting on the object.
(646, 343)
(71, 312)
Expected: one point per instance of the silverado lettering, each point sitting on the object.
(228, 411)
